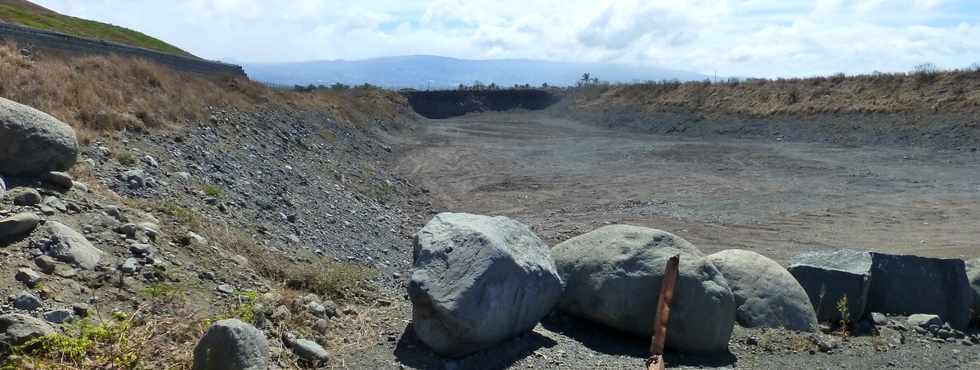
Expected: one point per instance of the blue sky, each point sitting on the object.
(764, 38)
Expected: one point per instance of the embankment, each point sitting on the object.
(938, 110)
(61, 43)
(452, 103)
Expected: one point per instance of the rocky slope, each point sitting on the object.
(242, 215)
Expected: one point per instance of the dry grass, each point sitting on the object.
(921, 91)
(97, 94)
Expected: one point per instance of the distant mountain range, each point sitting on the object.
(424, 71)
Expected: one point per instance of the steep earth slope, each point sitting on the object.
(26, 13)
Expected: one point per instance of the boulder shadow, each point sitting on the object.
(411, 351)
(603, 339)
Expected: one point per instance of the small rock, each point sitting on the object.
(225, 288)
(26, 301)
(825, 343)
(316, 309)
(46, 264)
(141, 250)
(80, 309)
(194, 240)
(16, 329)
(924, 320)
(28, 277)
(18, 225)
(183, 176)
(879, 319)
(25, 196)
(309, 350)
(206, 275)
(130, 266)
(59, 316)
(135, 179)
(59, 179)
(70, 246)
(151, 161)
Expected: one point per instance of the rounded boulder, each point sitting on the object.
(232, 344)
(478, 281)
(613, 275)
(766, 294)
(33, 142)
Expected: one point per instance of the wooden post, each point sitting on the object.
(656, 360)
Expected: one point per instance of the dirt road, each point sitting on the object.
(566, 178)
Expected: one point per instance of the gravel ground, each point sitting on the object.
(777, 198)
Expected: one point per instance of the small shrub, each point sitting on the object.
(165, 292)
(213, 191)
(845, 315)
(336, 280)
(183, 215)
(125, 158)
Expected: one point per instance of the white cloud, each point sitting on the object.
(732, 37)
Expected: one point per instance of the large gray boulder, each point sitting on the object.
(17, 329)
(18, 225)
(829, 276)
(766, 294)
(70, 246)
(612, 276)
(905, 285)
(477, 281)
(33, 142)
(973, 276)
(232, 345)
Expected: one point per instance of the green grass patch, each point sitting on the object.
(184, 215)
(165, 292)
(125, 158)
(51, 21)
(83, 344)
(214, 191)
(332, 279)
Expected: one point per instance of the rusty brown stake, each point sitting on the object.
(656, 360)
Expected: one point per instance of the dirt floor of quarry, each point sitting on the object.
(565, 178)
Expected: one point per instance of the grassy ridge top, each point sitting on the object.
(28, 14)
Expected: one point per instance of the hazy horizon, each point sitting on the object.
(748, 38)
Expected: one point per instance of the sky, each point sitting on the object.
(746, 38)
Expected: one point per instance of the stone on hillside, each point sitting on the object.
(973, 276)
(16, 329)
(18, 225)
(26, 301)
(309, 350)
(70, 246)
(25, 196)
(60, 179)
(906, 285)
(766, 294)
(232, 344)
(477, 281)
(613, 275)
(829, 276)
(33, 142)
(28, 277)
(925, 320)
(130, 265)
(59, 316)
(135, 179)
(45, 263)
